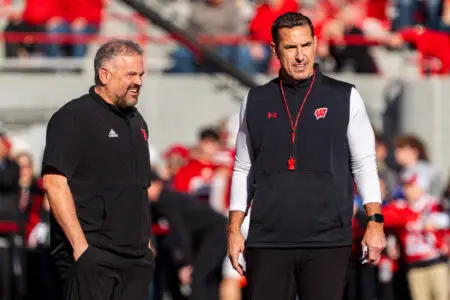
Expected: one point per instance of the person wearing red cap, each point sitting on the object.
(175, 158)
(423, 227)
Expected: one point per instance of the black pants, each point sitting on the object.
(362, 281)
(281, 274)
(207, 266)
(102, 275)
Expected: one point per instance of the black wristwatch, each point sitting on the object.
(376, 218)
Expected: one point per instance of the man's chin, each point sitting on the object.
(302, 75)
(132, 101)
(128, 103)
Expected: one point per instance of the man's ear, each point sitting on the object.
(273, 48)
(104, 75)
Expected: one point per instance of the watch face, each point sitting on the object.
(377, 218)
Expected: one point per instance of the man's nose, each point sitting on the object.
(299, 56)
(138, 80)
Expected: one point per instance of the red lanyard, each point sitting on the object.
(291, 160)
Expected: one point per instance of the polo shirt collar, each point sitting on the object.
(124, 113)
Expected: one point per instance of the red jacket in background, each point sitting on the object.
(419, 245)
(34, 218)
(91, 10)
(377, 9)
(38, 12)
(265, 15)
(430, 44)
(194, 178)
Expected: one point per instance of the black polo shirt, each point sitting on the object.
(103, 151)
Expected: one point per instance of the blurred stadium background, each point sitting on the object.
(202, 56)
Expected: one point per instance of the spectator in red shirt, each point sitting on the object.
(79, 17)
(426, 42)
(348, 22)
(196, 177)
(260, 30)
(175, 158)
(423, 227)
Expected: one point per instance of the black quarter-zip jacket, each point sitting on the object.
(103, 151)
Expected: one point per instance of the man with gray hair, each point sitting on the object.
(96, 172)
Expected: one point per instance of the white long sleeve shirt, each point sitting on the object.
(361, 141)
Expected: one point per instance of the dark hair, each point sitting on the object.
(111, 49)
(209, 133)
(413, 142)
(290, 20)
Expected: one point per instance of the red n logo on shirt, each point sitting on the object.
(272, 115)
(144, 133)
(320, 113)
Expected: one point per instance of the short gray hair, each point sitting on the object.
(111, 49)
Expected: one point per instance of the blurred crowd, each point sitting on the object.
(240, 31)
(55, 18)
(346, 29)
(189, 201)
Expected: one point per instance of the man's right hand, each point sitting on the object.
(78, 251)
(236, 244)
(185, 275)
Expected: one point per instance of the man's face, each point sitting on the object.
(175, 162)
(405, 155)
(209, 146)
(26, 167)
(124, 80)
(296, 51)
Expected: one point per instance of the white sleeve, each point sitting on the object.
(242, 180)
(361, 139)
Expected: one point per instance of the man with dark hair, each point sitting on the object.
(209, 134)
(303, 140)
(96, 172)
(196, 176)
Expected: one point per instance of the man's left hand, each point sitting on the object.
(151, 248)
(375, 241)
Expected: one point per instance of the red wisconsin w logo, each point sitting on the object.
(320, 113)
(272, 115)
